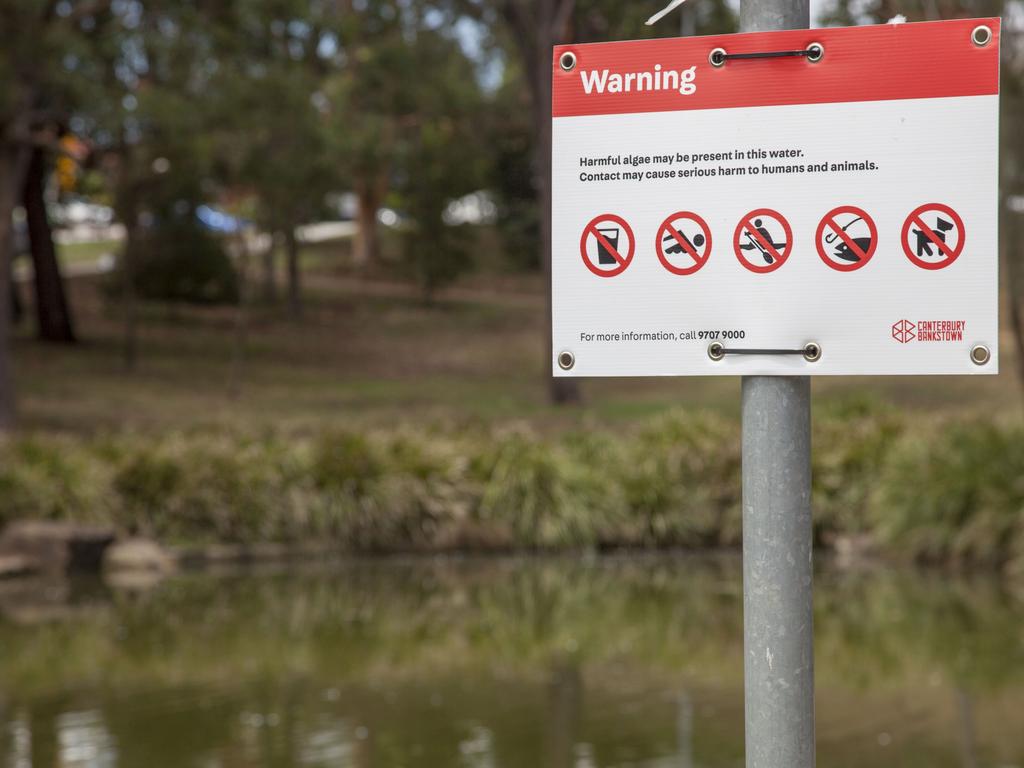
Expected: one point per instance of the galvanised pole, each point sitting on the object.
(778, 636)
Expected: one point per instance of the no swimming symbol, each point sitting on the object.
(683, 243)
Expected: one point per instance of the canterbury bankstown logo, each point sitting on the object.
(904, 331)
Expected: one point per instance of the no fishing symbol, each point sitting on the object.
(607, 245)
(763, 240)
(933, 236)
(683, 244)
(846, 238)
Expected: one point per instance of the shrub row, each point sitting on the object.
(939, 491)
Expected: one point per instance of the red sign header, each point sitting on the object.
(877, 63)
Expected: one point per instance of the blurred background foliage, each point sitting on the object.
(329, 216)
(951, 492)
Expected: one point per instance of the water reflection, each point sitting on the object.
(509, 664)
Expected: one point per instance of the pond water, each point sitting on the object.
(503, 664)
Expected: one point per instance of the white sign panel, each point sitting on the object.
(706, 199)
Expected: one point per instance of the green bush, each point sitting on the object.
(51, 479)
(681, 479)
(938, 491)
(346, 461)
(852, 443)
(955, 494)
(542, 494)
(176, 260)
(213, 488)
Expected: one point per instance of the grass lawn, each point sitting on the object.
(86, 253)
(370, 352)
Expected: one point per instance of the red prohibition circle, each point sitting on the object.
(951, 254)
(667, 226)
(624, 261)
(829, 221)
(747, 222)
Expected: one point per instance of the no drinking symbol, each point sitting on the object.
(763, 240)
(607, 245)
(683, 243)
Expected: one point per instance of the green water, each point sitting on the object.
(507, 664)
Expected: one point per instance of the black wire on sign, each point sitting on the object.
(734, 351)
(813, 52)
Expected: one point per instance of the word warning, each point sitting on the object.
(709, 213)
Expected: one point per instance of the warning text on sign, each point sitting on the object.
(738, 162)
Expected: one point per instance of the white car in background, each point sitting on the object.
(78, 213)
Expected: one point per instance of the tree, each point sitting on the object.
(285, 165)
(141, 101)
(272, 122)
(530, 29)
(441, 156)
(373, 91)
(53, 315)
(38, 42)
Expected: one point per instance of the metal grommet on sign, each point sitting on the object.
(980, 354)
(567, 61)
(716, 350)
(815, 51)
(566, 360)
(717, 57)
(981, 35)
(812, 352)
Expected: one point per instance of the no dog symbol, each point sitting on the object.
(933, 236)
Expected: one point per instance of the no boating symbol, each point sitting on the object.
(763, 240)
(847, 238)
(607, 245)
(684, 243)
(933, 236)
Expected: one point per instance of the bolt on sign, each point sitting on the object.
(723, 204)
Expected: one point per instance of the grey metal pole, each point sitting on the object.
(771, 15)
(778, 636)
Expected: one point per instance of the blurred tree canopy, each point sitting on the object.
(283, 104)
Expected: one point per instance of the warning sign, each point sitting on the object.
(933, 236)
(763, 240)
(847, 238)
(683, 244)
(741, 202)
(607, 245)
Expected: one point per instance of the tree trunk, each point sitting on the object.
(17, 308)
(238, 352)
(560, 390)
(1013, 261)
(129, 339)
(269, 291)
(366, 249)
(13, 160)
(52, 313)
(294, 276)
